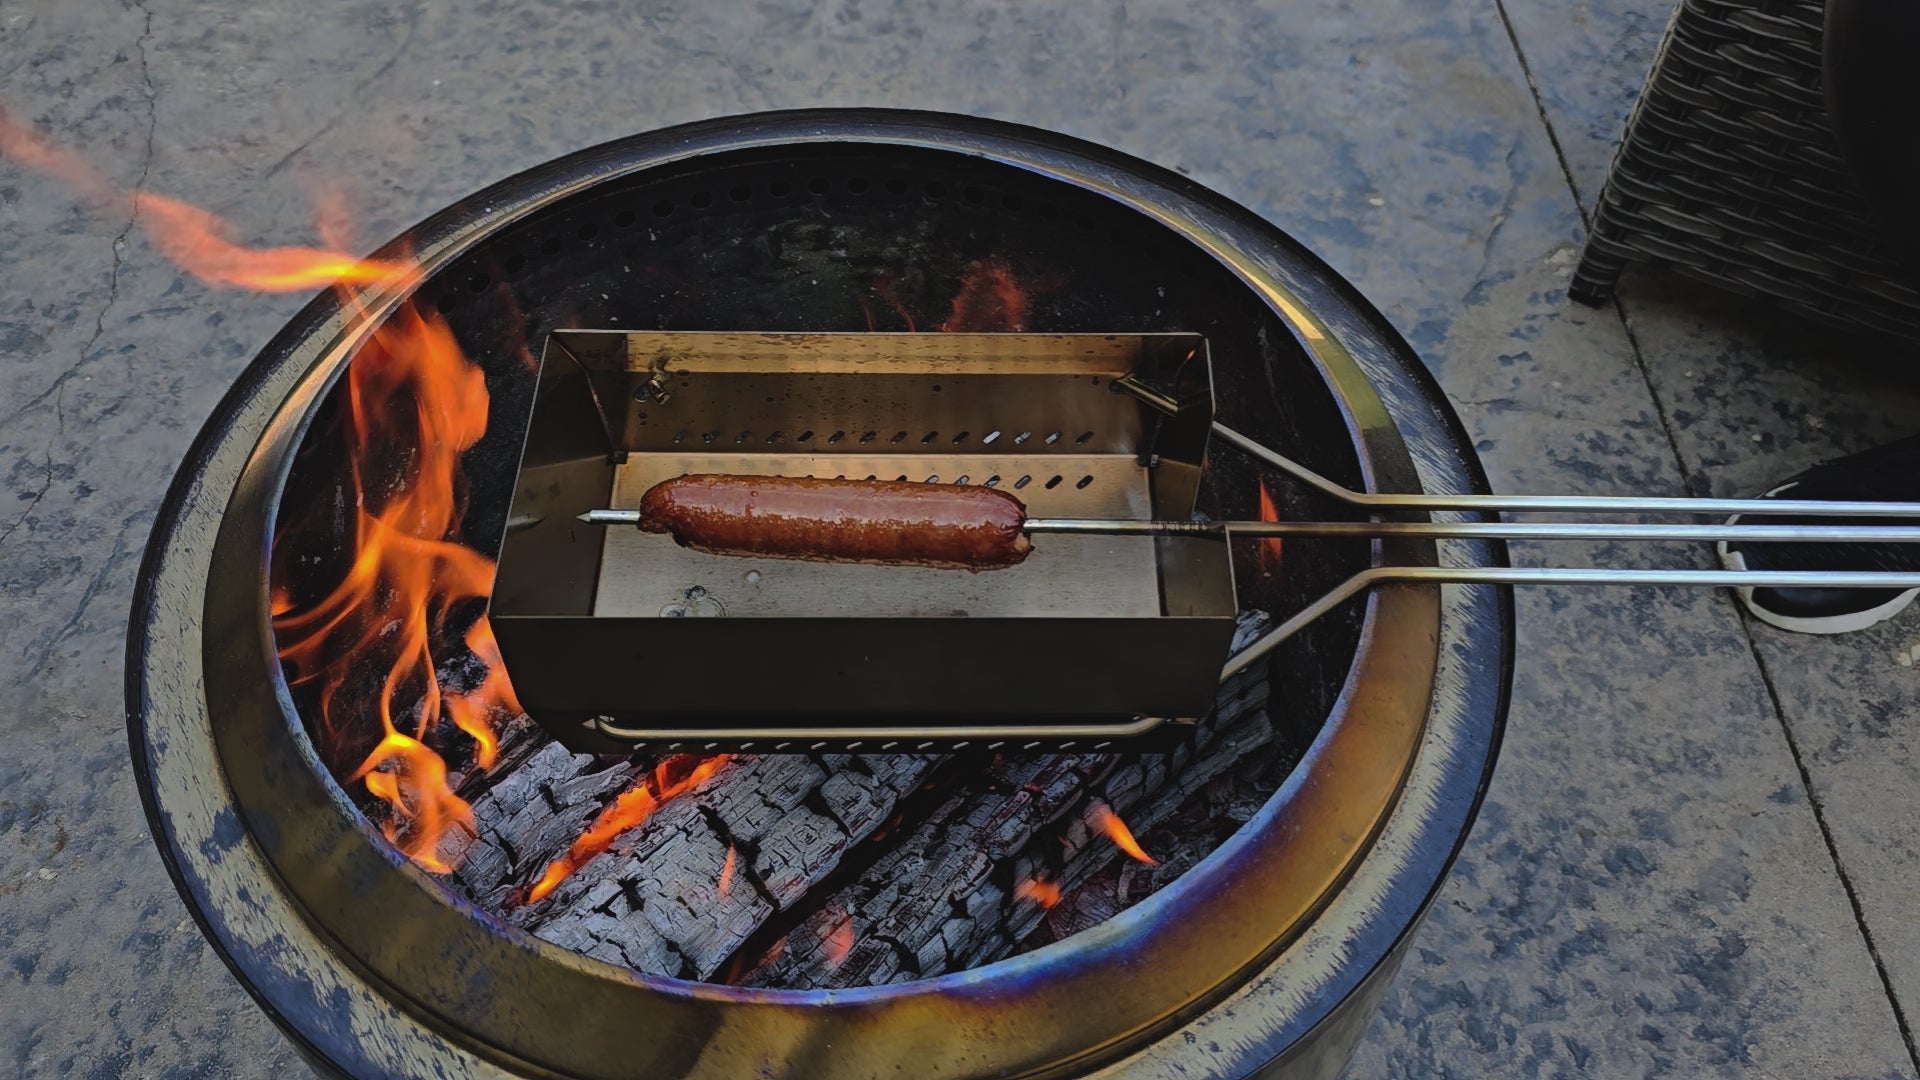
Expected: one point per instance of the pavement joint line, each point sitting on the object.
(1540, 107)
(1826, 837)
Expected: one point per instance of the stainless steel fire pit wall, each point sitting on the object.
(1268, 958)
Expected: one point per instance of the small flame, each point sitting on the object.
(726, 873)
(1269, 546)
(1104, 819)
(839, 941)
(1044, 893)
(671, 777)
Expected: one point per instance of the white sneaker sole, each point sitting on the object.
(1824, 624)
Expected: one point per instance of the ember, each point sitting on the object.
(1044, 893)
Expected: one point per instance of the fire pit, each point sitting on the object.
(410, 879)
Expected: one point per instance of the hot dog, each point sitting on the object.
(866, 521)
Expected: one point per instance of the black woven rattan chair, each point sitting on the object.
(1730, 172)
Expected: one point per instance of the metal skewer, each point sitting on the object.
(1442, 530)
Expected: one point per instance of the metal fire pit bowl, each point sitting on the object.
(1266, 958)
(602, 629)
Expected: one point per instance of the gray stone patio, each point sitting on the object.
(1698, 855)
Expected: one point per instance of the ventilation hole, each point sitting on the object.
(1084, 481)
(776, 437)
(664, 207)
(1022, 438)
(842, 476)
(973, 194)
(935, 190)
(933, 479)
(803, 436)
(1082, 439)
(740, 193)
(1054, 483)
(992, 481)
(819, 185)
(779, 189)
(836, 436)
(679, 436)
(479, 283)
(551, 247)
(743, 436)
(898, 437)
(1053, 438)
(516, 263)
(962, 480)
(445, 303)
(896, 186)
(869, 436)
(1011, 202)
(587, 231)
(624, 219)
(870, 476)
(960, 438)
(701, 200)
(929, 437)
(901, 479)
(989, 437)
(857, 185)
(1022, 482)
(711, 436)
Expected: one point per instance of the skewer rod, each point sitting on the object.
(1441, 530)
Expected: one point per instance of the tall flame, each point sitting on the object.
(671, 777)
(413, 399)
(1103, 818)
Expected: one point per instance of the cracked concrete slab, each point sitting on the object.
(1649, 892)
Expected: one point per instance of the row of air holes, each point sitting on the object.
(991, 481)
(898, 437)
(888, 745)
(934, 190)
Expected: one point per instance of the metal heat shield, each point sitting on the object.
(615, 637)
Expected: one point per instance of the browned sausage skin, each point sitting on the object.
(868, 521)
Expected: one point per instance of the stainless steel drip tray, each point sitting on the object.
(647, 574)
(611, 633)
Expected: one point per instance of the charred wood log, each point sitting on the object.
(975, 878)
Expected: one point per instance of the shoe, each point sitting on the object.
(1889, 473)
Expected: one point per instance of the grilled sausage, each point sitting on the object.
(868, 521)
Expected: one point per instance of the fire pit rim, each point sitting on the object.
(441, 234)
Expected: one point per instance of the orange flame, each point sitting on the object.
(196, 240)
(1044, 893)
(1269, 546)
(413, 397)
(989, 300)
(839, 941)
(1103, 818)
(671, 777)
(726, 873)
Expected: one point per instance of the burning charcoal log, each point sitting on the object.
(681, 891)
(960, 887)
